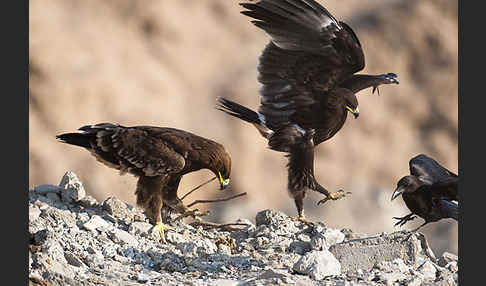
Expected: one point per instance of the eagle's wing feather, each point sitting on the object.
(310, 53)
(138, 150)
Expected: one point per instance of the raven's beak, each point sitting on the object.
(355, 112)
(398, 191)
(222, 182)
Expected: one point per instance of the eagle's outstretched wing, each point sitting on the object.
(310, 53)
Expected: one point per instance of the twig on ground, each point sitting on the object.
(215, 200)
(210, 225)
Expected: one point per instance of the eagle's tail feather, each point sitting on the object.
(237, 110)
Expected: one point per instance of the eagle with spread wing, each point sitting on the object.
(309, 84)
(158, 156)
(429, 191)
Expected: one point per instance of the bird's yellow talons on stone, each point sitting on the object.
(161, 228)
(302, 219)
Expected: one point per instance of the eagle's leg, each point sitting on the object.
(172, 200)
(404, 219)
(329, 196)
(148, 197)
(299, 204)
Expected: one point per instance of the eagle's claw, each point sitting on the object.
(334, 196)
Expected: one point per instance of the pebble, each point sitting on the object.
(446, 258)
(428, 270)
(95, 222)
(73, 189)
(118, 235)
(318, 264)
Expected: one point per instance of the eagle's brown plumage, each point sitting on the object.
(309, 83)
(158, 156)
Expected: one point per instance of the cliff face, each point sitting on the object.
(164, 62)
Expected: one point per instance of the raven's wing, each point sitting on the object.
(449, 209)
(428, 170)
(309, 54)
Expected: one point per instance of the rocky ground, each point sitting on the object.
(76, 240)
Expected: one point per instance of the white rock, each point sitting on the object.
(34, 213)
(452, 266)
(73, 189)
(139, 227)
(318, 264)
(324, 239)
(95, 222)
(428, 270)
(119, 235)
(446, 258)
(142, 277)
(227, 282)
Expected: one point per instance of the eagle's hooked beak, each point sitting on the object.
(355, 112)
(223, 183)
(398, 191)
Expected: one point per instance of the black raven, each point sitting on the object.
(428, 192)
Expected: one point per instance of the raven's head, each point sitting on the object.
(407, 184)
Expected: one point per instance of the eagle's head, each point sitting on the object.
(351, 103)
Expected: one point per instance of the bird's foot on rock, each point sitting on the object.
(161, 228)
(334, 196)
(303, 219)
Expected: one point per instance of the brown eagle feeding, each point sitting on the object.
(158, 156)
(309, 84)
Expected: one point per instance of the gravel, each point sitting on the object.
(75, 240)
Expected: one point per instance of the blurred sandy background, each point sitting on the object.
(164, 63)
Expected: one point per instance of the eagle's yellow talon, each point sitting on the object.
(302, 219)
(161, 228)
(334, 196)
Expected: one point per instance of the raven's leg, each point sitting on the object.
(404, 219)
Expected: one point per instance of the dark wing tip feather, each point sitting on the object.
(450, 209)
